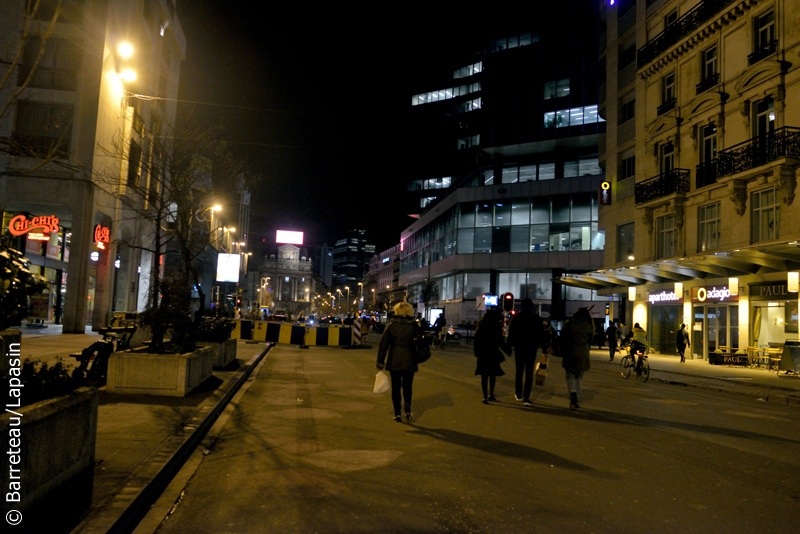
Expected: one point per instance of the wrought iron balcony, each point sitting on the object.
(674, 181)
(707, 83)
(669, 105)
(782, 143)
(761, 53)
(679, 29)
(706, 174)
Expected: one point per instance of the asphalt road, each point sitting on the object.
(310, 449)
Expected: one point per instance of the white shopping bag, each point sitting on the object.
(381, 383)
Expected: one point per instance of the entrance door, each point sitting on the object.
(720, 329)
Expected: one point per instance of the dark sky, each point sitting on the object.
(315, 102)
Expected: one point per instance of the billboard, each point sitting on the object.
(291, 238)
(228, 267)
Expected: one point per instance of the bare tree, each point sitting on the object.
(168, 188)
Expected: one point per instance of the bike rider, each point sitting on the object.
(638, 344)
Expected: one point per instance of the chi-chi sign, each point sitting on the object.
(20, 225)
(102, 235)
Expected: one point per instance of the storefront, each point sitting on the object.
(773, 312)
(664, 319)
(45, 243)
(715, 320)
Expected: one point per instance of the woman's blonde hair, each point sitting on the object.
(403, 309)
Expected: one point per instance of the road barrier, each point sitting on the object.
(292, 334)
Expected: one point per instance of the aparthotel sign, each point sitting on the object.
(663, 298)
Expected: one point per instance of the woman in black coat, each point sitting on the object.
(397, 350)
(488, 340)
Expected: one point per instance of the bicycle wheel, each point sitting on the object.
(644, 376)
(625, 366)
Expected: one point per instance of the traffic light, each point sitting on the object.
(508, 302)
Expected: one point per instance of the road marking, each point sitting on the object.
(670, 401)
(757, 416)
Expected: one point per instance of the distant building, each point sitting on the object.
(351, 257)
(288, 280)
(382, 289)
(506, 180)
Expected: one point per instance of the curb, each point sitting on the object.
(785, 400)
(123, 512)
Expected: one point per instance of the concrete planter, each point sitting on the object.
(53, 446)
(224, 351)
(173, 375)
(12, 335)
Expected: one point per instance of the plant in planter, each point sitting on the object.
(17, 285)
(216, 329)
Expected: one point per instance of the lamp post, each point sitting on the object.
(348, 299)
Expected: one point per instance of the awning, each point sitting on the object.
(757, 259)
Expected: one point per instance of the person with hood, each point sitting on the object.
(488, 340)
(578, 333)
(397, 351)
(526, 335)
(682, 341)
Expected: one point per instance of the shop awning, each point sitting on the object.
(757, 259)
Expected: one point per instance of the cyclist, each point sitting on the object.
(638, 344)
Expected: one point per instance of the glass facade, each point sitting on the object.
(539, 224)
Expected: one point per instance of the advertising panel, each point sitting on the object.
(288, 237)
(228, 267)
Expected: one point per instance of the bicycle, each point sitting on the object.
(440, 340)
(628, 364)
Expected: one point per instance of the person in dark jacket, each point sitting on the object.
(526, 335)
(578, 332)
(488, 340)
(397, 351)
(613, 336)
(682, 341)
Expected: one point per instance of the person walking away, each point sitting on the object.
(682, 341)
(488, 340)
(397, 351)
(578, 332)
(638, 344)
(612, 332)
(526, 335)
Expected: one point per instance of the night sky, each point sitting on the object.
(316, 104)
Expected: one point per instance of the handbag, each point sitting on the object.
(422, 348)
(382, 383)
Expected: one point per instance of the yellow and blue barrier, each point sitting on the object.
(293, 334)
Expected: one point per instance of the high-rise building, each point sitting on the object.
(74, 104)
(506, 180)
(701, 156)
(351, 257)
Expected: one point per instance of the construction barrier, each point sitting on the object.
(292, 334)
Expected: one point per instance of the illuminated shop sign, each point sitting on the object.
(37, 228)
(713, 294)
(605, 193)
(102, 236)
(771, 291)
(663, 297)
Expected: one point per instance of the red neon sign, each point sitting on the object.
(38, 228)
(102, 235)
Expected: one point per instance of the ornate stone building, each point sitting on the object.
(288, 280)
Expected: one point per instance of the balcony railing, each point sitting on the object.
(761, 53)
(782, 143)
(674, 181)
(679, 29)
(669, 105)
(706, 174)
(707, 83)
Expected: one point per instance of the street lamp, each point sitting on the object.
(348, 299)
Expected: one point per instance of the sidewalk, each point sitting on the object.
(757, 382)
(134, 430)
